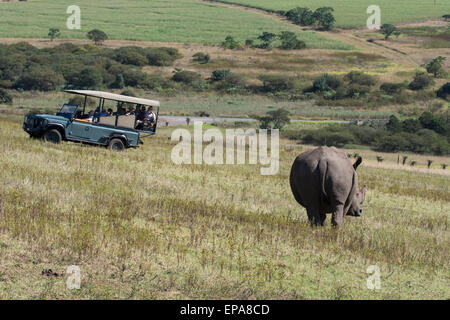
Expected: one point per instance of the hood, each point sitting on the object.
(51, 118)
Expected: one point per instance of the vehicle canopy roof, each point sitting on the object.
(115, 97)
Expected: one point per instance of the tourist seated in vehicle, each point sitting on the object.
(150, 116)
(140, 117)
(110, 112)
(103, 113)
(130, 111)
(90, 116)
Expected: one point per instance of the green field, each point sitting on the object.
(182, 21)
(352, 13)
(140, 226)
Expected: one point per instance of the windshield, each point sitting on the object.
(69, 109)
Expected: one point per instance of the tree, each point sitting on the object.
(5, 97)
(435, 66)
(301, 16)
(53, 33)
(275, 119)
(97, 36)
(394, 124)
(387, 30)
(324, 17)
(411, 125)
(267, 38)
(432, 122)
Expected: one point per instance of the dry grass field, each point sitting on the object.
(140, 226)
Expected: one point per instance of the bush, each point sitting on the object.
(231, 82)
(186, 77)
(289, 41)
(42, 79)
(328, 138)
(360, 78)
(162, 57)
(444, 91)
(87, 78)
(230, 43)
(131, 55)
(277, 83)
(201, 57)
(392, 88)
(326, 82)
(421, 81)
(5, 97)
(219, 75)
(392, 143)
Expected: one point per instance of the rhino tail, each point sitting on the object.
(323, 168)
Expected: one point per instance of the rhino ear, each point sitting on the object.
(357, 163)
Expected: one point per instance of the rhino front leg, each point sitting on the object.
(338, 215)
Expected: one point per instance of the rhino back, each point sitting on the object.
(322, 177)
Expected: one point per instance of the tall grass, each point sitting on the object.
(141, 227)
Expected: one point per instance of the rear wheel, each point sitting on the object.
(52, 136)
(116, 145)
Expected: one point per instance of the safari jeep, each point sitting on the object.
(116, 129)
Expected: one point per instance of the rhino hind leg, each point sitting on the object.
(315, 217)
(337, 215)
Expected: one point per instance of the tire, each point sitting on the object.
(52, 136)
(116, 145)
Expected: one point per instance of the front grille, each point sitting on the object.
(32, 122)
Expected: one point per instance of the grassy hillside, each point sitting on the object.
(141, 227)
(182, 21)
(352, 13)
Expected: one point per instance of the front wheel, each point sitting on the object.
(52, 136)
(116, 145)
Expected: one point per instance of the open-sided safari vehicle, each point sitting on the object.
(118, 122)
